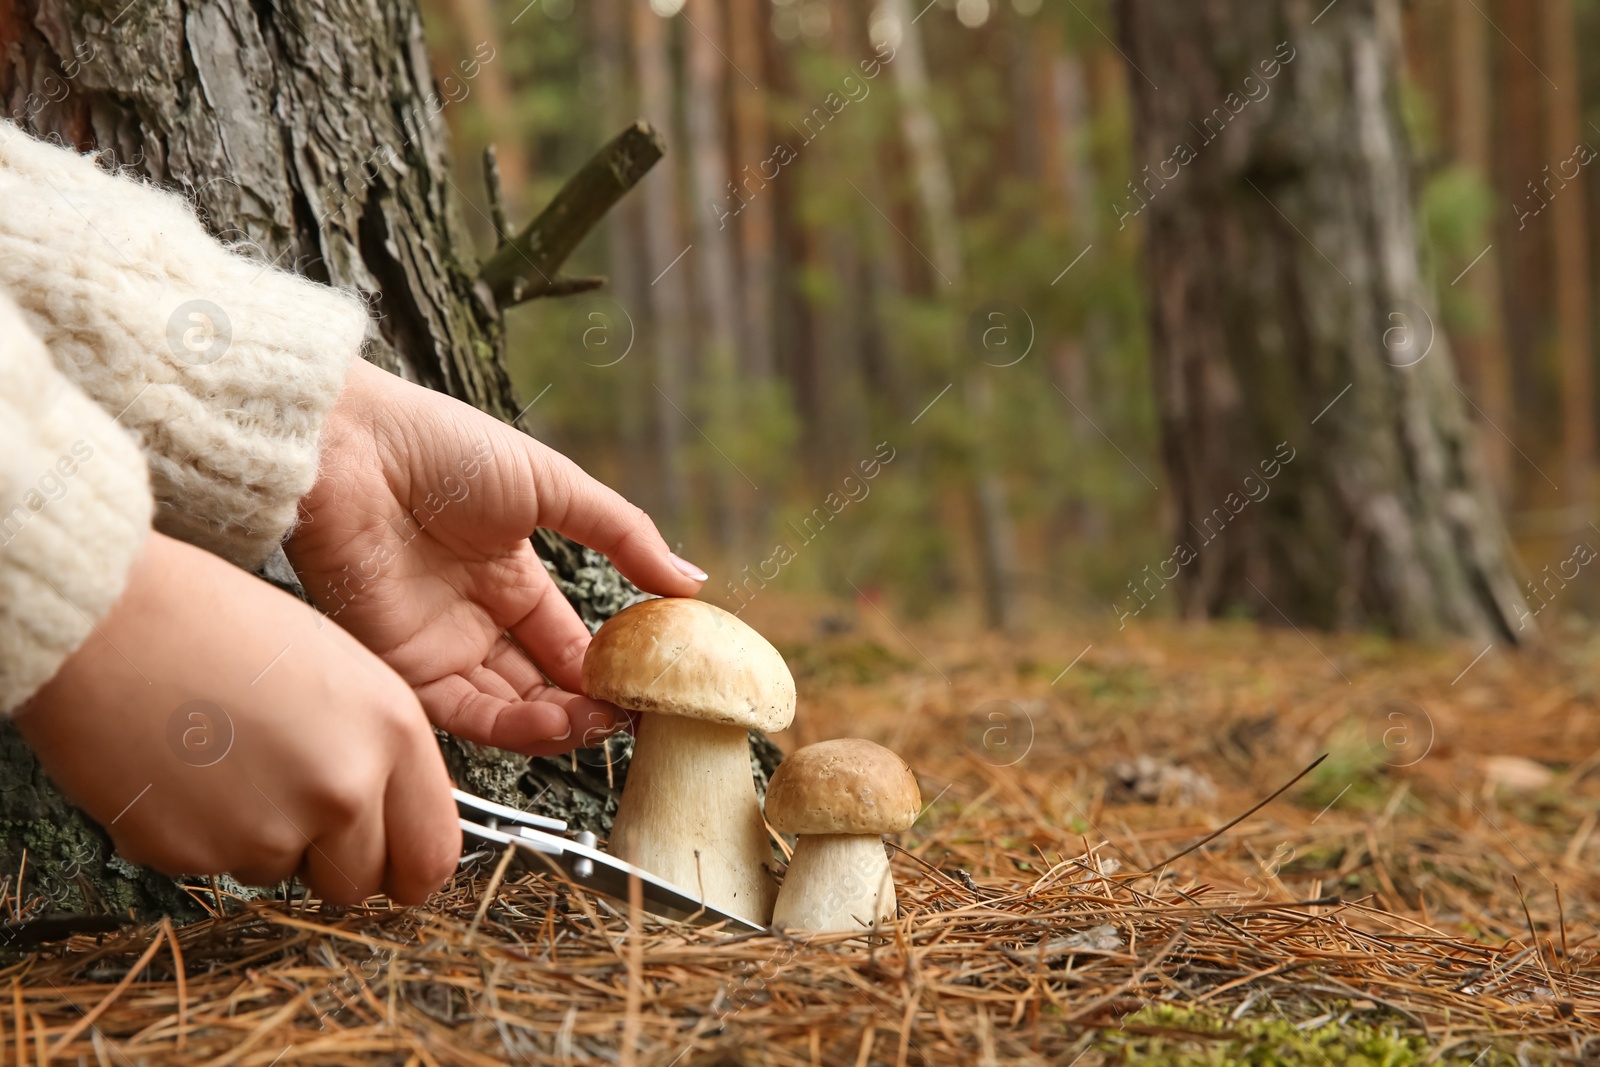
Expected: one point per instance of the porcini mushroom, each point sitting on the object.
(840, 796)
(702, 679)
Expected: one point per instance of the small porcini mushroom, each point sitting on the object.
(840, 796)
(703, 679)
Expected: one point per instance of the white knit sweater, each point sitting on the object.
(127, 325)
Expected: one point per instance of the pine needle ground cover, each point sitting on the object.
(1425, 894)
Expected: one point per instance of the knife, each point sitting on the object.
(577, 859)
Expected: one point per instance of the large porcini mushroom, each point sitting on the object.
(840, 796)
(689, 813)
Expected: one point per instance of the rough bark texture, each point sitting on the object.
(308, 131)
(1283, 278)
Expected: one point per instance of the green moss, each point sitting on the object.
(1353, 773)
(1193, 1039)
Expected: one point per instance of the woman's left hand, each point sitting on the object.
(415, 539)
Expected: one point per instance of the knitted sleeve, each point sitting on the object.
(224, 367)
(74, 512)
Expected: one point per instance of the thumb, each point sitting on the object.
(576, 505)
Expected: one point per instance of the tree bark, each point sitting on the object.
(318, 160)
(1291, 329)
(334, 169)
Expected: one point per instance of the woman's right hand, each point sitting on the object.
(215, 724)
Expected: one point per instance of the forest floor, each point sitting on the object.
(1426, 893)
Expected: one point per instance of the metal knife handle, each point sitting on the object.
(504, 813)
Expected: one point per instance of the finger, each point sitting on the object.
(268, 862)
(592, 720)
(346, 864)
(554, 636)
(424, 837)
(574, 504)
(491, 682)
(510, 662)
(272, 850)
(460, 708)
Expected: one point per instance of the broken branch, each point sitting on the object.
(528, 265)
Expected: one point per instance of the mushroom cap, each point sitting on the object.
(847, 786)
(677, 656)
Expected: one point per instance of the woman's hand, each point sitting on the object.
(416, 541)
(214, 724)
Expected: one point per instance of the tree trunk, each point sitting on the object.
(1483, 351)
(1291, 331)
(935, 186)
(752, 144)
(669, 294)
(625, 255)
(986, 491)
(335, 168)
(1526, 305)
(715, 281)
(476, 24)
(1569, 232)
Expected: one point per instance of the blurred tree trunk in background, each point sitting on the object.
(994, 534)
(1518, 148)
(475, 21)
(1062, 119)
(747, 25)
(664, 245)
(310, 132)
(843, 416)
(625, 254)
(712, 264)
(1292, 332)
(1483, 351)
(925, 147)
(1569, 234)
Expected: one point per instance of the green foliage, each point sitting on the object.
(1193, 1039)
(1352, 773)
(1069, 428)
(1361, 755)
(1457, 213)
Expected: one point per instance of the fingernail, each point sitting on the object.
(687, 569)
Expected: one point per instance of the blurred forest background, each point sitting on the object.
(936, 258)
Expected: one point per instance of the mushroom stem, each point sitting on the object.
(836, 882)
(689, 813)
